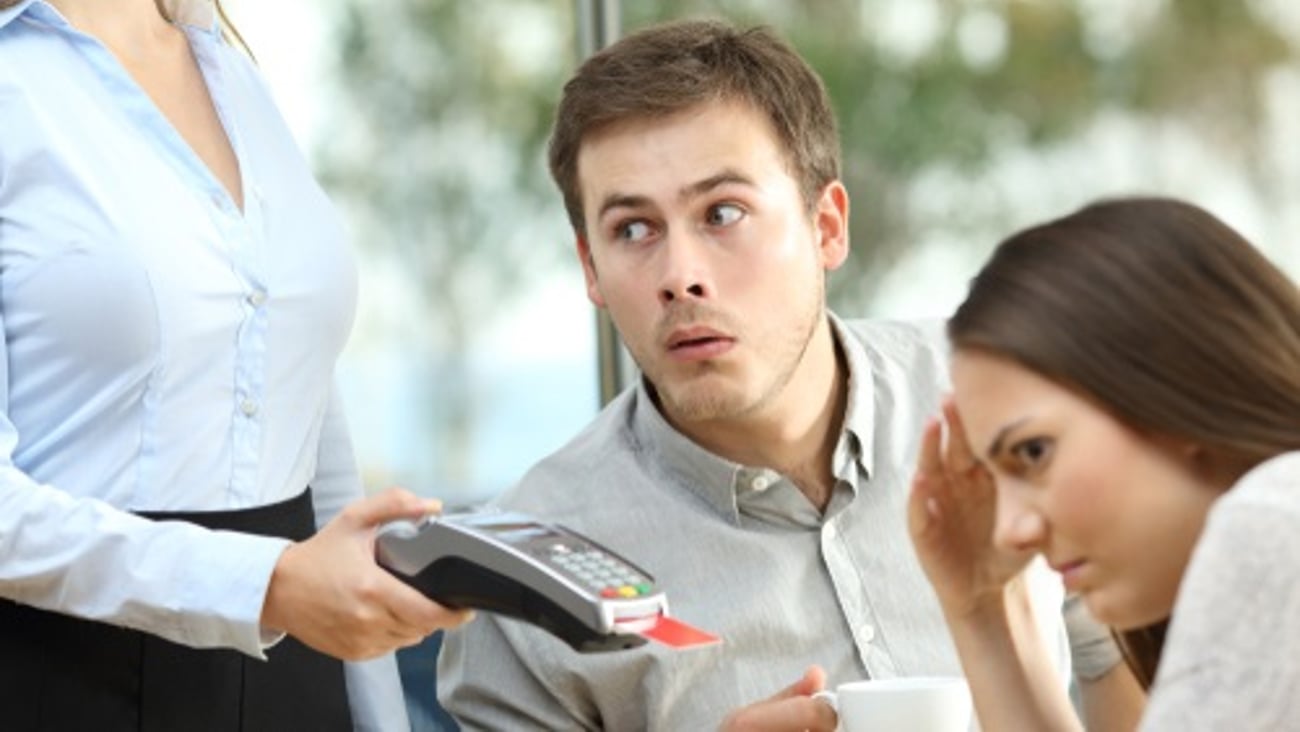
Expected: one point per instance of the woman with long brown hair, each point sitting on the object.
(175, 290)
(1126, 403)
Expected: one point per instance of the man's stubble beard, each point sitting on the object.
(697, 400)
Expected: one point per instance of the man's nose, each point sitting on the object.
(685, 269)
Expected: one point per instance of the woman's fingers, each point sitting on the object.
(958, 457)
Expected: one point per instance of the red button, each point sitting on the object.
(609, 592)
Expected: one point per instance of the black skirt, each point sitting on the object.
(63, 673)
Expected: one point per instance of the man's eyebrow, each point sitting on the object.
(725, 176)
(698, 188)
(995, 446)
(621, 200)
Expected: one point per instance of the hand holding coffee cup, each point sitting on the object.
(911, 704)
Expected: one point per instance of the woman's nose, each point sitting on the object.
(1020, 527)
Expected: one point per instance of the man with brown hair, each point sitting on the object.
(760, 468)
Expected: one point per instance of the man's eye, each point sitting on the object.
(632, 231)
(724, 214)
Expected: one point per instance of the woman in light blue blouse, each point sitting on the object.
(174, 293)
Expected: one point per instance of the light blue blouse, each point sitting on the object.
(162, 350)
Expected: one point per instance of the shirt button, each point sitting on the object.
(257, 298)
(760, 483)
(248, 407)
(866, 633)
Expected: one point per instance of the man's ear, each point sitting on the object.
(589, 271)
(831, 217)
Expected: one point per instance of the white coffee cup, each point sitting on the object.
(907, 704)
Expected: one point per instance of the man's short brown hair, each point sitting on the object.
(670, 68)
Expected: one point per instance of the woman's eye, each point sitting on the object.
(1032, 452)
(632, 231)
(724, 214)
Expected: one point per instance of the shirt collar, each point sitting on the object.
(718, 481)
(707, 475)
(860, 413)
(200, 14)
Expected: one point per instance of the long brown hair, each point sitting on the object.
(672, 67)
(1162, 315)
(1141, 649)
(230, 32)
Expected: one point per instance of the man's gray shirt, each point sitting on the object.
(740, 552)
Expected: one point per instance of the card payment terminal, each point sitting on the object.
(515, 565)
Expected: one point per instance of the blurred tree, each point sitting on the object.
(436, 151)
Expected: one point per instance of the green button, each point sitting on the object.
(643, 589)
